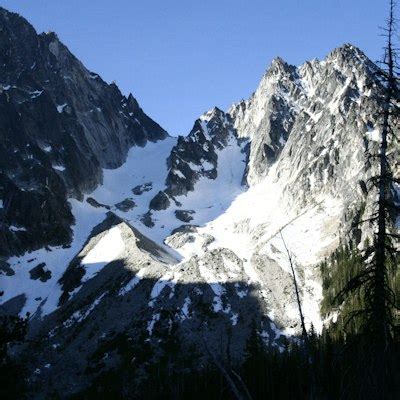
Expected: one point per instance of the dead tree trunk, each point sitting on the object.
(306, 341)
(298, 299)
(380, 316)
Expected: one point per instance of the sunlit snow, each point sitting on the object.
(106, 250)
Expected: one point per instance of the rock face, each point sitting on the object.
(195, 155)
(185, 235)
(60, 124)
(125, 205)
(268, 116)
(294, 101)
(160, 201)
(184, 215)
(40, 272)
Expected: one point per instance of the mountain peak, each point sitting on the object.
(50, 35)
(5, 13)
(214, 112)
(278, 61)
(279, 66)
(347, 51)
(14, 23)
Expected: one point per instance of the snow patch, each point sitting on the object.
(184, 314)
(79, 316)
(168, 280)
(14, 228)
(132, 283)
(108, 248)
(60, 108)
(374, 135)
(36, 93)
(150, 324)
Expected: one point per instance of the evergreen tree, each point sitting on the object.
(372, 361)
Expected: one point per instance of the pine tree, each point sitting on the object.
(379, 296)
(372, 361)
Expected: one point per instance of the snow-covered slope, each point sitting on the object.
(299, 141)
(143, 166)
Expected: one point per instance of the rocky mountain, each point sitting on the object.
(61, 125)
(115, 233)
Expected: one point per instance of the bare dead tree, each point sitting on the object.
(305, 338)
(379, 296)
(297, 292)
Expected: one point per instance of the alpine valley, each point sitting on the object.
(113, 231)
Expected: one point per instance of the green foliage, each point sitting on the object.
(343, 265)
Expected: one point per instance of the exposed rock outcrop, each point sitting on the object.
(60, 124)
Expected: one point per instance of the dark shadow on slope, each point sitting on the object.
(116, 313)
(121, 311)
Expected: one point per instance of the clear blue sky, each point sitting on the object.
(179, 58)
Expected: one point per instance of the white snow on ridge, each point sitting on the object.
(56, 260)
(109, 247)
(143, 165)
(177, 172)
(210, 197)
